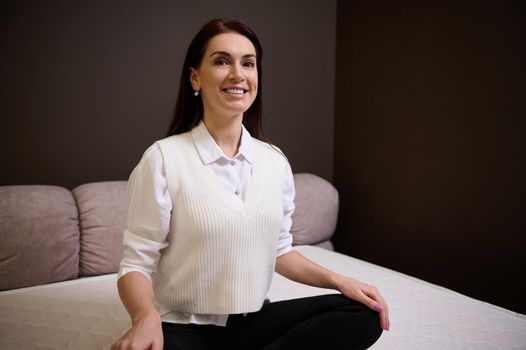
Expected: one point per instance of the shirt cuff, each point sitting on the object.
(125, 270)
(284, 245)
(141, 255)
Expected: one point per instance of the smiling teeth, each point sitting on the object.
(234, 91)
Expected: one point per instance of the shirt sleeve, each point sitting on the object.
(149, 210)
(285, 237)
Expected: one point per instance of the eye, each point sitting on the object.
(249, 64)
(221, 62)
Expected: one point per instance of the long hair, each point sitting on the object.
(189, 108)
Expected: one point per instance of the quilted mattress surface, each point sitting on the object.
(87, 313)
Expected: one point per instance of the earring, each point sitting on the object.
(196, 93)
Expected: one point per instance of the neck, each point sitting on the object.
(226, 133)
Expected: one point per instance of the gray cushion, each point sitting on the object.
(102, 210)
(39, 236)
(314, 219)
(325, 245)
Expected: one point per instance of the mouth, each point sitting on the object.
(235, 92)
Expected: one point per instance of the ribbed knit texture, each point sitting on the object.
(221, 254)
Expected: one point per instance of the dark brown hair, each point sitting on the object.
(189, 109)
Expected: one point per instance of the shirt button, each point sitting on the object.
(232, 163)
(237, 192)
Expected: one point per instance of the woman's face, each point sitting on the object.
(227, 78)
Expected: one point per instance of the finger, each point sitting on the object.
(371, 303)
(375, 301)
(384, 320)
(375, 295)
(384, 314)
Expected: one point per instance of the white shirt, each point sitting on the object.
(149, 208)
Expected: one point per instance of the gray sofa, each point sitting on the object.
(50, 234)
(60, 250)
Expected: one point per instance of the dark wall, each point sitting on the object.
(429, 141)
(87, 86)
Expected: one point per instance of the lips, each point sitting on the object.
(234, 91)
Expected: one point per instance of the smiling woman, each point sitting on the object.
(227, 79)
(209, 220)
(189, 109)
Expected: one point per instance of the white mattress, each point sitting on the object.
(87, 313)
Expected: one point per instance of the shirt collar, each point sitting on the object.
(210, 152)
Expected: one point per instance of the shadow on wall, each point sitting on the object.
(429, 140)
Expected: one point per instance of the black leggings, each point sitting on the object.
(321, 322)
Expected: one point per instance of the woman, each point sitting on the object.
(209, 221)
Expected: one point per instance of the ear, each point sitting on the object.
(194, 79)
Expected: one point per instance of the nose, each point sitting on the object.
(236, 73)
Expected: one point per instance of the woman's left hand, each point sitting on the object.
(367, 295)
(296, 267)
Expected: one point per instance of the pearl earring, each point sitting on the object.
(196, 93)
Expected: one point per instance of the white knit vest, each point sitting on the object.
(221, 254)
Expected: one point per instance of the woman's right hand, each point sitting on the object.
(146, 333)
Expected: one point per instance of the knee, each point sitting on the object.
(365, 322)
(372, 327)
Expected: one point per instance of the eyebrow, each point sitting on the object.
(224, 53)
